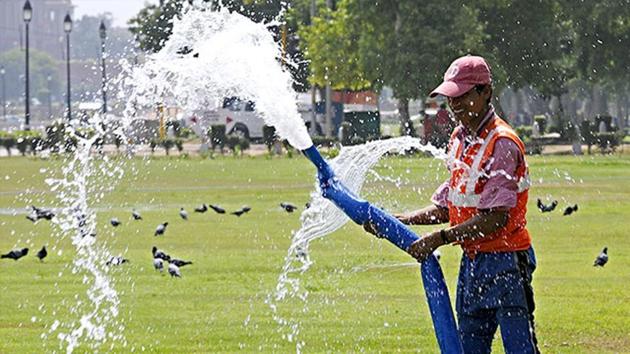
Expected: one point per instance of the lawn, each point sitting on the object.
(365, 295)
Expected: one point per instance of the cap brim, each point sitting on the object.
(451, 89)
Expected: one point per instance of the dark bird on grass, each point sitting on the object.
(201, 209)
(217, 209)
(40, 213)
(288, 207)
(570, 210)
(115, 222)
(16, 254)
(547, 208)
(158, 264)
(183, 213)
(116, 261)
(160, 254)
(160, 229)
(42, 254)
(242, 211)
(307, 205)
(136, 215)
(602, 259)
(173, 270)
(179, 262)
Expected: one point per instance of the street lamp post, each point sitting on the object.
(67, 27)
(27, 12)
(49, 80)
(103, 33)
(4, 101)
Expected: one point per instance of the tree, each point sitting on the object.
(333, 51)
(86, 43)
(41, 67)
(409, 45)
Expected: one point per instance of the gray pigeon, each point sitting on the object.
(288, 207)
(173, 270)
(602, 259)
(160, 254)
(136, 215)
(42, 254)
(116, 261)
(158, 264)
(16, 254)
(183, 213)
(160, 229)
(115, 222)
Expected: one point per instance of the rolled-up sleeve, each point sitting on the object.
(440, 196)
(502, 185)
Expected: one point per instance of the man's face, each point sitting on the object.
(469, 106)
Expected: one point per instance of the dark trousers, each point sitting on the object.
(494, 290)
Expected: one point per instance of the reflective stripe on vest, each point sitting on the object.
(468, 199)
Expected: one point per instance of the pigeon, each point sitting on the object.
(217, 209)
(307, 205)
(242, 211)
(547, 208)
(179, 262)
(288, 207)
(136, 215)
(116, 261)
(602, 259)
(158, 264)
(42, 254)
(16, 254)
(160, 229)
(570, 210)
(173, 270)
(160, 254)
(183, 213)
(40, 213)
(115, 222)
(201, 209)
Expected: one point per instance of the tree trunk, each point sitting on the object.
(406, 127)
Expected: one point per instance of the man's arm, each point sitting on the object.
(477, 227)
(426, 216)
(430, 215)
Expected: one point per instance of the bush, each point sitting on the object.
(58, 139)
(167, 144)
(237, 144)
(184, 133)
(608, 142)
(524, 132)
(152, 145)
(7, 141)
(179, 144)
(323, 141)
(27, 140)
(217, 136)
(269, 136)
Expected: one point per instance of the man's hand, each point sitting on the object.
(405, 218)
(368, 226)
(425, 246)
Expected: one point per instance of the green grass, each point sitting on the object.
(219, 304)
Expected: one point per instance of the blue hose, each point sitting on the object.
(361, 211)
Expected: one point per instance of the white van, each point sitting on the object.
(240, 117)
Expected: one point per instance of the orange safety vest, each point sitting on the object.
(468, 179)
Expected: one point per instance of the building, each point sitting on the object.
(46, 28)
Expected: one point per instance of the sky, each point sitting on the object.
(122, 10)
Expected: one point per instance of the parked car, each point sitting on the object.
(241, 118)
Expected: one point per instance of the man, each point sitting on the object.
(485, 201)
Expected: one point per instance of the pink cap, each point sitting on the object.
(463, 74)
